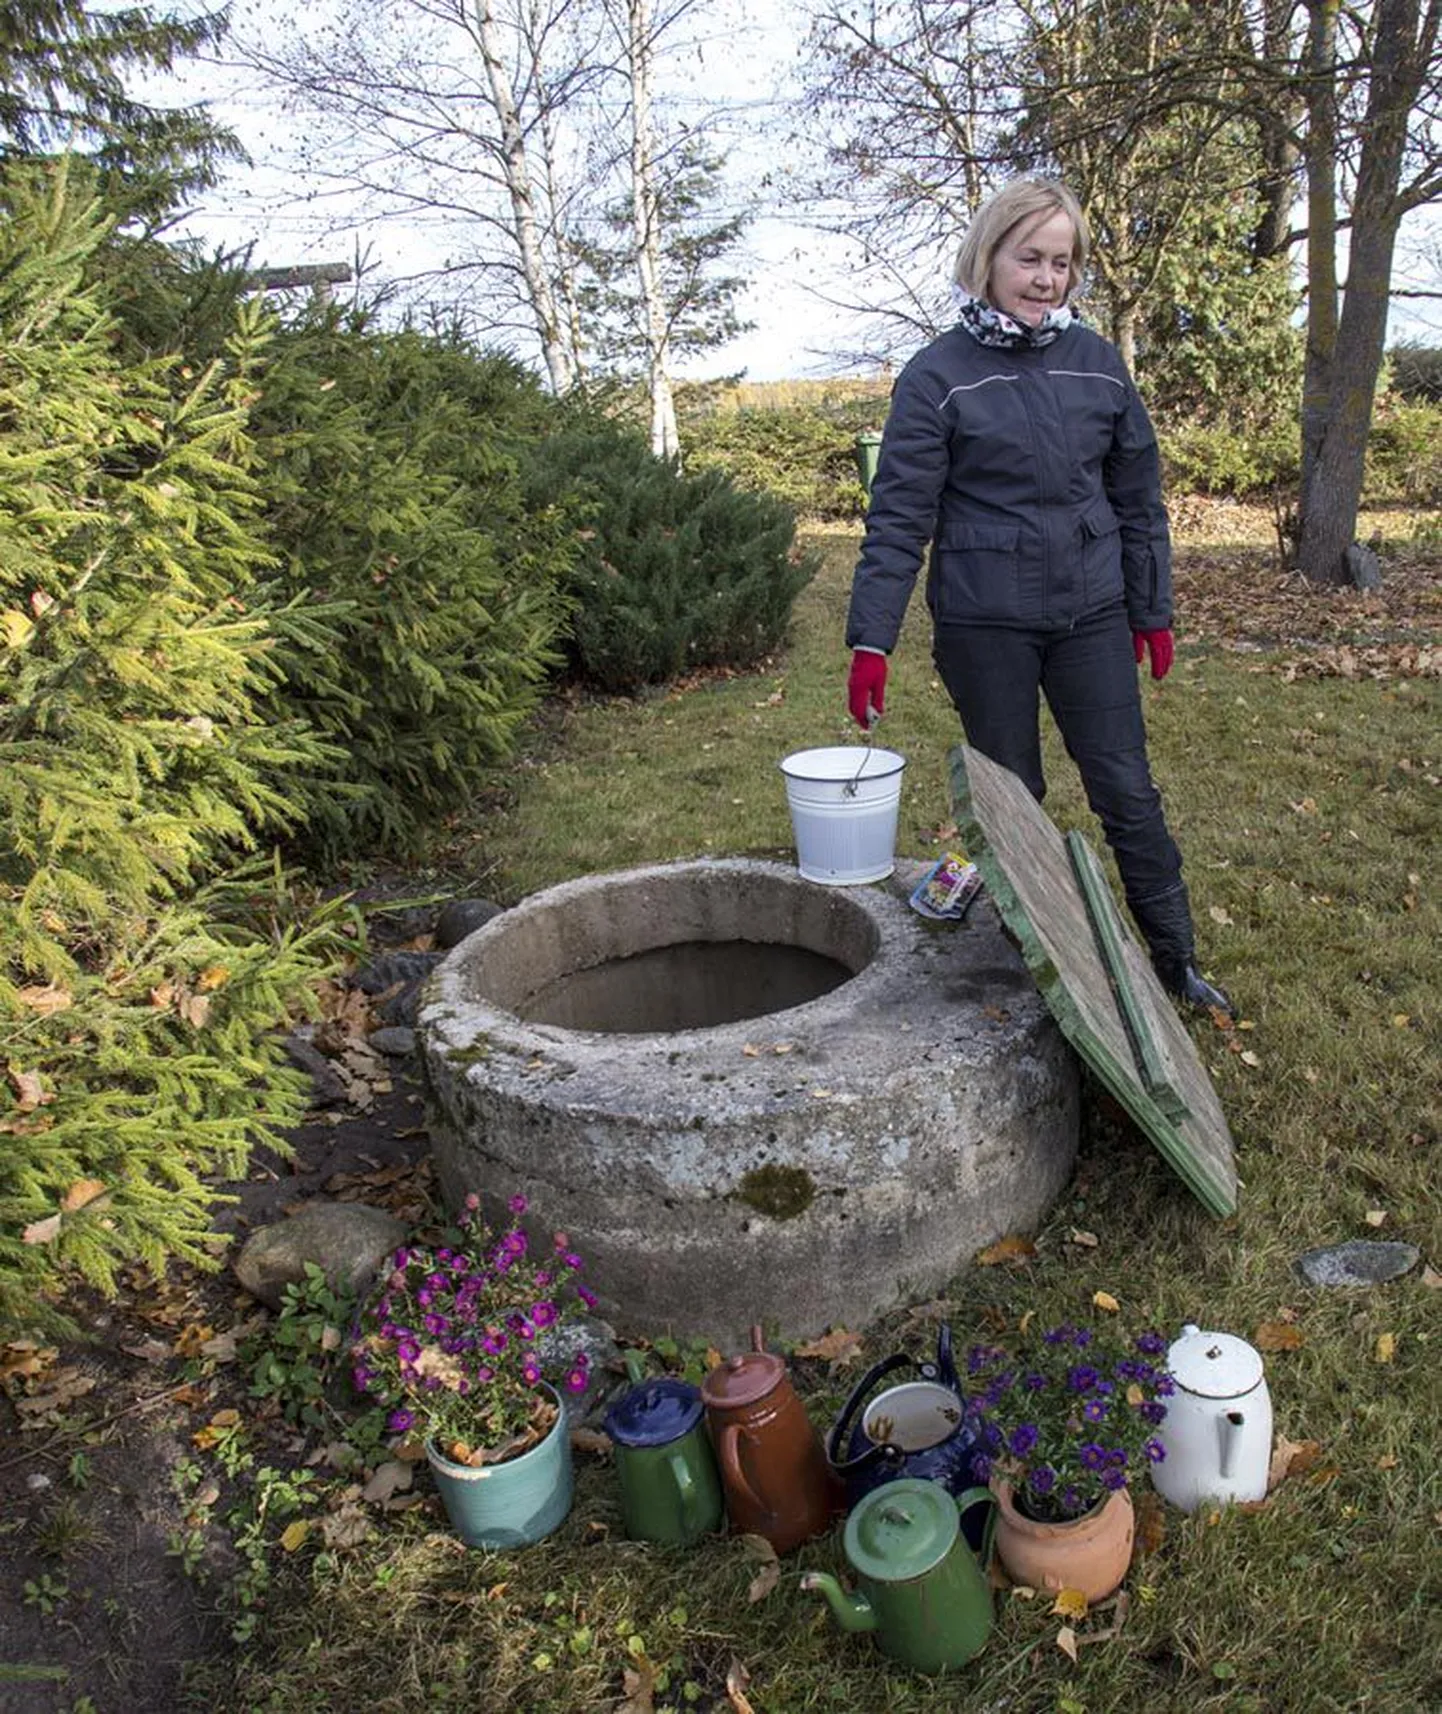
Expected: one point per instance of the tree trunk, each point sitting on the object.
(1321, 235)
(1332, 490)
(554, 343)
(646, 231)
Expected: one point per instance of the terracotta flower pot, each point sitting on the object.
(1090, 1553)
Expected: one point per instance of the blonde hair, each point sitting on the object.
(1017, 201)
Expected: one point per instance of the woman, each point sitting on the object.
(1018, 450)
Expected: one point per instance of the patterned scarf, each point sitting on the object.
(989, 326)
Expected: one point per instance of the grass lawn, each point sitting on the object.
(1298, 742)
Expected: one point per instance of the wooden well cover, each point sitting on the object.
(1100, 985)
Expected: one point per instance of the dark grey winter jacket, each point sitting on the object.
(1034, 476)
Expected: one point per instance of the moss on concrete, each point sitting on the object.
(783, 1192)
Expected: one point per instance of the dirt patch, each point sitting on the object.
(117, 1569)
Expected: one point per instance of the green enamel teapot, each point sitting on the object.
(921, 1588)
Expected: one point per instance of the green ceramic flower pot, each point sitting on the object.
(510, 1504)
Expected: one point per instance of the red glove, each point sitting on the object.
(866, 688)
(1160, 644)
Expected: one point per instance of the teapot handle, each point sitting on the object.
(974, 1497)
(945, 1365)
(728, 1456)
(836, 1440)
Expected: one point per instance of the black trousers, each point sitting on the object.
(1088, 675)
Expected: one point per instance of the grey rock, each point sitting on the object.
(393, 967)
(37, 1482)
(393, 1039)
(328, 1088)
(347, 1240)
(557, 1349)
(462, 917)
(1363, 566)
(1358, 1262)
(393, 926)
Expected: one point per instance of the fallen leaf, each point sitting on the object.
(639, 1683)
(1105, 1300)
(1400, 1020)
(44, 1231)
(763, 1582)
(1247, 1057)
(1088, 1240)
(221, 1348)
(1066, 1642)
(1013, 1249)
(1070, 1604)
(1388, 1461)
(737, 1681)
(294, 1534)
(590, 1440)
(838, 1347)
(30, 1092)
(1220, 916)
(1386, 1348)
(80, 1194)
(1291, 1458)
(46, 1000)
(1376, 1216)
(216, 976)
(25, 1357)
(1431, 1278)
(392, 1477)
(1278, 1336)
(347, 1527)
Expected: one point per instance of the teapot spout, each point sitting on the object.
(853, 1612)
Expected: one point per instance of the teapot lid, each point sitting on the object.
(741, 1380)
(654, 1413)
(901, 1529)
(1213, 1365)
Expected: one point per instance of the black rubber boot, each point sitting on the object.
(1166, 925)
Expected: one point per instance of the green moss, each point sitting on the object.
(783, 1192)
(465, 1057)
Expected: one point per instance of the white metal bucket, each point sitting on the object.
(844, 803)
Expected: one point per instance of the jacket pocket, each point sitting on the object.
(1101, 555)
(974, 574)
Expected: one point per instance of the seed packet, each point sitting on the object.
(947, 888)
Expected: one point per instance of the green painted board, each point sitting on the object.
(1149, 1063)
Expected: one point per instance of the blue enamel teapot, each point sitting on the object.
(919, 1428)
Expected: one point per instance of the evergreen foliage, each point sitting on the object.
(676, 572)
(421, 596)
(803, 455)
(63, 71)
(143, 968)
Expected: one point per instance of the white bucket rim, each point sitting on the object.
(855, 765)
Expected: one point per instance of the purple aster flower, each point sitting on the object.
(518, 1204)
(570, 1259)
(401, 1259)
(1114, 1479)
(1058, 1335)
(544, 1314)
(1151, 1344)
(1153, 1412)
(1155, 1451)
(1022, 1438)
(436, 1325)
(587, 1296)
(494, 1341)
(1095, 1410)
(1042, 1479)
(1092, 1456)
(981, 1468)
(520, 1327)
(425, 1297)
(1117, 1457)
(576, 1380)
(483, 1374)
(531, 1372)
(1165, 1387)
(543, 1277)
(400, 1421)
(408, 1350)
(1071, 1500)
(461, 1266)
(1033, 1382)
(1082, 1378)
(1081, 1338)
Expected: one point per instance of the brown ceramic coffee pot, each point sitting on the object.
(773, 1466)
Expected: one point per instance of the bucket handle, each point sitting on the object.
(849, 788)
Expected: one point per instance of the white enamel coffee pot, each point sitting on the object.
(1217, 1435)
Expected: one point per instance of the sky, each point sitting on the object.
(747, 68)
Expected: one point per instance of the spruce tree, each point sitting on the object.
(144, 966)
